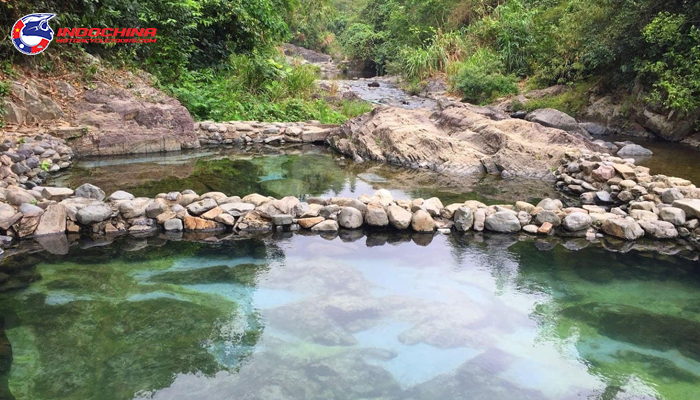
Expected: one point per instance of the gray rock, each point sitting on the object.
(634, 150)
(690, 206)
(421, 221)
(479, 220)
(554, 119)
(674, 215)
(463, 218)
(625, 196)
(120, 195)
(670, 195)
(57, 194)
(89, 191)
(547, 216)
(93, 213)
(659, 229)
(530, 229)
(595, 129)
(202, 206)
(376, 215)
(399, 217)
(174, 224)
(577, 221)
(237, 209)
(623, 228)
(524, 218)
(350, 218)
(550, 204)
(134, 208)
(282, 220)
(603, 197)
(155, 208)
(300, 209)
(330, 210)
(53, 221)
(27, 208)
(503, 221)
(328, 225)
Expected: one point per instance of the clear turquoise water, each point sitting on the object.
(308, 317)
(288, 171)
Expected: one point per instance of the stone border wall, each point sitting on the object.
(247, 132)
(28, 160)
(613, 197)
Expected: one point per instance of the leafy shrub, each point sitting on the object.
(675, 73)
(479, 78)
(572, 101)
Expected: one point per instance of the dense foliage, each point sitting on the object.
(219, 57)
(483, 45)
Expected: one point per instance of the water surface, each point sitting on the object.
(350, 317)
(291, 170)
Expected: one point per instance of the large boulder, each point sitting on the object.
(577, 222)
(421, 221)
(659, 229)
(350, 218)
(503, 221)
(93, 213)
(674, 215)
(128, 121)
(547, 216)
(376, 215)
(690, 206)
(399, 217)
(554, 119)
(634, 150)
(53, 221)
(463, 218)
(623, 228)
(459, 139)
(202, 206)
(90, 191)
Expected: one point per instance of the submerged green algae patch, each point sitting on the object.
(97, 329)
(243, 274)
(633, 316)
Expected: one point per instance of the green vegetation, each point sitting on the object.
(4, 92)
(219, 57)
(484, 46)
(571, 101)
(222, 57)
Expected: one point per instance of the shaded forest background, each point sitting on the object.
(221, 58)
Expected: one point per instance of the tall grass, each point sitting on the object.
(422, 62)
(260, 88)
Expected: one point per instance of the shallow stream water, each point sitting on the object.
(351, 317)
(292, 170)
(359, 315)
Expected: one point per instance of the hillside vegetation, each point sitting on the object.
(221, 58)
(486, 47)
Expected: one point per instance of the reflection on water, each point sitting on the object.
(296, 171)
(303, 317)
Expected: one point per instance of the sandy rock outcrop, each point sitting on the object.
(462, 139)
(118, 121)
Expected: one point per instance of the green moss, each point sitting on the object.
(572, 101)
(243, 274)
(102, 329)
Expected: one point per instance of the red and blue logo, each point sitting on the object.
(32, 34)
